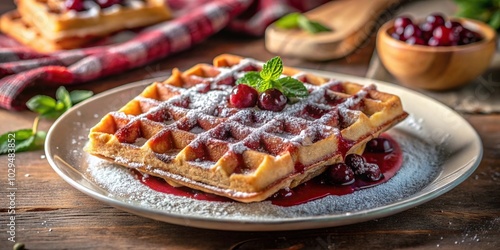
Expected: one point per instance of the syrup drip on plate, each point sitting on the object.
(319, 187)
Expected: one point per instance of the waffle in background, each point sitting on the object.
(184, 131)
(48, 25)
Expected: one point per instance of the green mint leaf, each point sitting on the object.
(264, 85)
(290, 21)
(272, 69)
(495, 20)
(77, 96)
(270, 77)
(311, 26)
(63, 96)
(53, 114)
(251, 79)
(292, 87)
(41, 104)
(21, 140)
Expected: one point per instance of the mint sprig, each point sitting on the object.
(487, 11)
(47, 107)
(298, 21)
(270, 77)
(21, 140)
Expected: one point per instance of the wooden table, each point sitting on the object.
(50, 214)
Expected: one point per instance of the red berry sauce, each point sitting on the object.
(319, 187)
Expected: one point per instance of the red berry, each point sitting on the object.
(340, 173)
(243, 96)
(435, 20)
(76, 5)
(444, 36)
(433, 42)
(467, 36)
(356, 162)
(415, 40)
(372, 172)
(397, 36)
(412, 30)
(379, 145)
(431, 23)
(402, 22)
(272, 99)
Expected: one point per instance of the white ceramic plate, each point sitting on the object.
(430, 123)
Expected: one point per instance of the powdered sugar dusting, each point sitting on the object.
(420, 166)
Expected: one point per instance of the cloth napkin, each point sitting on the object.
(194, 21)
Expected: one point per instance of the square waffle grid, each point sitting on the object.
(183, 130)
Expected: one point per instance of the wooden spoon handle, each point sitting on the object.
(351, 23)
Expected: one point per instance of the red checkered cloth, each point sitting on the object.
(195, 20)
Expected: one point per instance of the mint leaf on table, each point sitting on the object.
(41, 104)
(296, 20)
(21, 140)
(62, 95)
(77, 96)
(49, 107)
(46, 107)
(270, 77)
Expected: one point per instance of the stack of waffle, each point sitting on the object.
(50, 25)
(185, 131)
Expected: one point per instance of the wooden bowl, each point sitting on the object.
(436, 68)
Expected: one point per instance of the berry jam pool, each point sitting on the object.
(388, 162)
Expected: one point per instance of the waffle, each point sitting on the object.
(184, 131)
(14, 26)
(60, 28)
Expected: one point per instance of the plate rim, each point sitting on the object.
(304, 222)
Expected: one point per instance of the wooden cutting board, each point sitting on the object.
(351, 22)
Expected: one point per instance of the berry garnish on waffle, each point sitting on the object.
(189, 131)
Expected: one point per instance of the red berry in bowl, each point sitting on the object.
(379, 145)
(415, 40)
(243, 96)
(340, 174)
(435, 19)
(444, 36)
(397, 36)
(402, 21)
(434, 31)
(467, 36)
(412, 30)
(272, 99)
